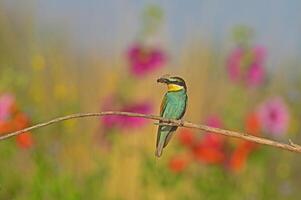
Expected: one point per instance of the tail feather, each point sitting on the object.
(159, 149)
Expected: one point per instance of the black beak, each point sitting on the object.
(162, 80)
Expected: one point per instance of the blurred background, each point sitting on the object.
(241, 62)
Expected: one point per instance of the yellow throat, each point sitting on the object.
(174, 87)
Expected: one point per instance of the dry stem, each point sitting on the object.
(289, 147)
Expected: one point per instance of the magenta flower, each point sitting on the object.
(274, 116)
(110, 103)
(134, 122)
(255, 75)
(6, 103)
(144, 60)
(121, 121)
(214, 121)
(247, 65)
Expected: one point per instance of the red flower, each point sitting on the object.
(24, 140)
(187, 137)
(210, 149)
(253, 124)
(253, 127)
(6, 127)
(178, 163)
(11, 119)
(212, 140)
(208, 154)
(239, 157)
(20, 121)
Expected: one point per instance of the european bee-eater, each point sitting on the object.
(173, 106)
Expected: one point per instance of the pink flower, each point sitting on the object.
(214, 121)
(134, 122)
(112, 103)
(144, 60)
(274, 116)
(247, 65)
(255, 75)
(7, 102)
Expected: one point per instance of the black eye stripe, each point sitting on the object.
(177, 83)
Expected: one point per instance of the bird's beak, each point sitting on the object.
(162, 80)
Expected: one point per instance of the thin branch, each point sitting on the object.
(289, 147)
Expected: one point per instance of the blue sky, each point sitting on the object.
(95, 24)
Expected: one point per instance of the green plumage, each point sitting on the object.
(173, 107)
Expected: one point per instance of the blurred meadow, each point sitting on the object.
(241, 62)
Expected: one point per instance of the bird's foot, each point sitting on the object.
(181, 122)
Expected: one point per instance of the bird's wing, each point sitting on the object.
(173, 111)
(162, 110)
(163, 105)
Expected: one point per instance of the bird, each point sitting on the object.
(173, 106)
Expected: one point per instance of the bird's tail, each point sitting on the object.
(159, 149)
